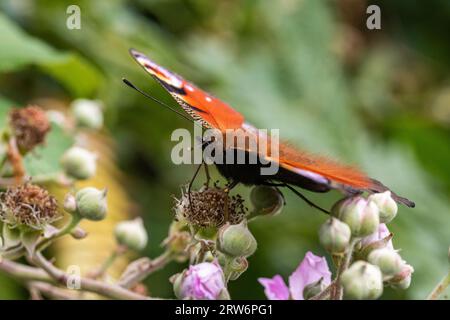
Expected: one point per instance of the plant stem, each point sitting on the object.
(139, 271)
(325, 293)
(440, 288)
(337, 293)
(72, 224)
(102, 288)
(50, 291)
(119, 250)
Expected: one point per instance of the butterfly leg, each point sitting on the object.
(208, 177)
(230, 185)
(312, 204)
(190, 185)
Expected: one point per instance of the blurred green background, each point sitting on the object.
(377, 98)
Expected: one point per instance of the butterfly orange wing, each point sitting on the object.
(213, 113)
(207, 109)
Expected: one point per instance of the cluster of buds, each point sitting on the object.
(79, 163)
(358, 227)
(216, 238)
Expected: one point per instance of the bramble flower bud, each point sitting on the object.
(362, 281)
(334, 235)
(388, 260)
(236, 240)
(266, 201)
(402, 280)
(79, 163)
(131, 234)
(386, 205)
(359, 214)
(88, 113)
(78, 233)
(91, 203)
(237, 267)
(70, 203)
(379, 239)
(203, 281)
(314, 289)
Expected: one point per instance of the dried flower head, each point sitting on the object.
(30, 126)
(208, 207)
(28, 205)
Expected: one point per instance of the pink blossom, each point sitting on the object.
(275, 288)
(311, 269)
(203, 281)
(378, 235)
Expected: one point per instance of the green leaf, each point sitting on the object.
(44, 161)
(76, 74)
(20, 49)
(29, 240)
(5, 105)
(11, 236)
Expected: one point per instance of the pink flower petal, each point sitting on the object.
(275, 288)
(381, 233)
(310, 270)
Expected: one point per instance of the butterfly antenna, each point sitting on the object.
(128, 83)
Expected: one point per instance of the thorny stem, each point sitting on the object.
(344, 262)
(26, 273)
(102, 288)
(145, 270)
(440, 288)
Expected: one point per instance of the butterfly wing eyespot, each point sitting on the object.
(201, 106)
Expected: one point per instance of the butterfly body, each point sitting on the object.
(295, 167)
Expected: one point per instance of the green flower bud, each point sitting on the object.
(388, 260)
(402, 280)
(70, 203)
(131, 234)
(359, 214)
(313, 289)
(386, 205)
(79, 163)
(402, 284)
(91, 203)
(362, 281)
(334, 235)
(236, 240)
(88, 113)
(266, 201)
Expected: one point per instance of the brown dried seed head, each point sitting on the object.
(208, 207)
(28, 205)
(30, 126)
